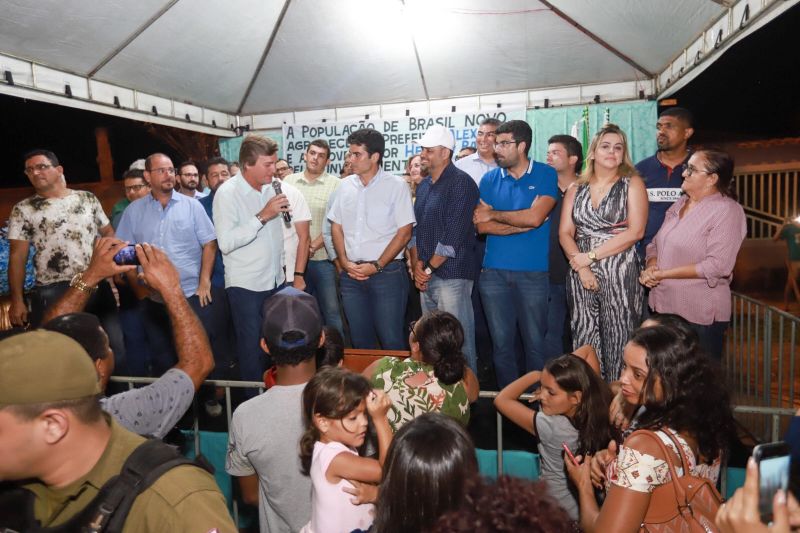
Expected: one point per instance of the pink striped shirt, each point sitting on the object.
(709, 236)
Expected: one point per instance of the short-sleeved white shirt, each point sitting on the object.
(300, 213)
(370, 216)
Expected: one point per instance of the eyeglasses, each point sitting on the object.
(165, 170)
(689, 170)
(133, 188)
(190, 174)
(39, 167)
(411, 326)
(503, 144)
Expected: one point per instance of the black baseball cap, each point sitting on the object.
(290, 310)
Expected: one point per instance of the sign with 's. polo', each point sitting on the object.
(666, 194)
(399, 134)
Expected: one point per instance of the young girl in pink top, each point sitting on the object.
(335, 407)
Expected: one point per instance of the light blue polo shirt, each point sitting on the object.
(181, 229)
(527, 251)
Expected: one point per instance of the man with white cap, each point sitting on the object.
(443, 245)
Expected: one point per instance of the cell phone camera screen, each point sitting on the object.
(773, 474)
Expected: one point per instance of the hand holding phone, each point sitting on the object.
(569, 454)
(774, 463)
(126, 256)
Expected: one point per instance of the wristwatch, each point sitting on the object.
(260, 219)
(592, 256)
(429, 269)
(377, 266)
(78, 283)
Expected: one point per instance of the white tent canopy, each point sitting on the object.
(210, 63)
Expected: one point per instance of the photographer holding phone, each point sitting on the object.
(152, 410)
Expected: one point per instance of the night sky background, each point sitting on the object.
(751, 92)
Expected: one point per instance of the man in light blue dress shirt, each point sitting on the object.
(248, 220)
(178, 225)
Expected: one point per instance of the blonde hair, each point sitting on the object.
(626, 168)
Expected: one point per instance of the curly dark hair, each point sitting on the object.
(510, 504)
(573, 374)
(332, 393)
(430, 463)
(441, 339)
(685, 391)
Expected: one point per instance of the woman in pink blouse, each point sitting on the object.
(690, 261)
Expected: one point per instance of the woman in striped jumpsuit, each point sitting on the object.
(603, 217)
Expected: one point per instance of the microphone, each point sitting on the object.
(287, 217)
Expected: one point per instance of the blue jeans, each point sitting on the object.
(454, 296)
(321, 283)
(712, 338)
(245, 307)
(556, 319)
(512, 298)
(137, 344)
(375, 308)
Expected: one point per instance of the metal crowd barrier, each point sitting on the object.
(772, 415)
(761, 361)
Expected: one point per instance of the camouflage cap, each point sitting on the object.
(43, 367)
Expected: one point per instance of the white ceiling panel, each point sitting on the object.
(200, 51)
(73, 35)
(269, 57)
(336, 54)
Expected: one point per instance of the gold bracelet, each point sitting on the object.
(78, 283)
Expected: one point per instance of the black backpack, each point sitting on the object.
(108, 510)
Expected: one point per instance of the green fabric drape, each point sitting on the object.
(637, 119)
(229, 147)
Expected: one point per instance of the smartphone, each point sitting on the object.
(774, 461)
(569, 453)
(126, 256)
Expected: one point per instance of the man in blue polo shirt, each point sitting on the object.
(663, 172)
(514, 283)
(178, 225)
(443, 245)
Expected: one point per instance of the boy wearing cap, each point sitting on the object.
(265, 430)
(443, 245)
(52, 430)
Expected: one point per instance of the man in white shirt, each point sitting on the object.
(482, 161)
(372, 218)
(248, 219)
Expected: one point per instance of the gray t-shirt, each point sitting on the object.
(153, 410)
(264, 439)
(552, 432)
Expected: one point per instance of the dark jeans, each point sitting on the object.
(215, 320)
(712, 337)
(101, 304)
(555, 340)
(512, 298)
(375, 308)
(137, 343)
(321, 283)
(246, 315)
